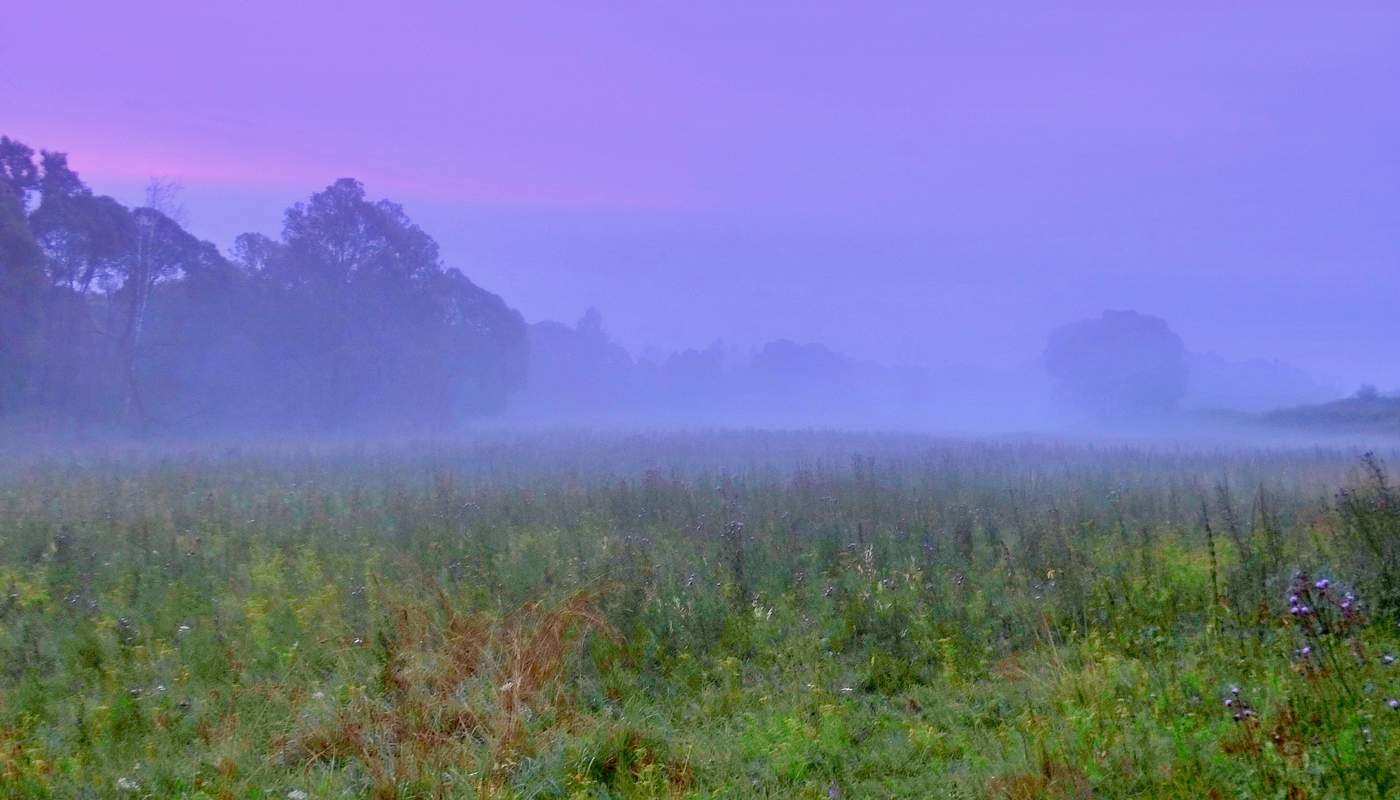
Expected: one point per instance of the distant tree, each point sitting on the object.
(1123, 364)
(576, 371)
(254, 253)
(1367, 392)
(811, 362)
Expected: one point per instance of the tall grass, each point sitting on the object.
(717, 615)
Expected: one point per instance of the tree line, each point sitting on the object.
(118, 316)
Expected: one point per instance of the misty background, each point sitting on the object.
(816, 213)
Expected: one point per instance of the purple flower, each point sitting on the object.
(1393, 704)
(1387, 659)
(1306, 651)
(1322, 585)
(1293, 601)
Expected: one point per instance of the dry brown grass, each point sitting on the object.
(1054, 780)
(456, 693)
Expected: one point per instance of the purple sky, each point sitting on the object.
(902, 181)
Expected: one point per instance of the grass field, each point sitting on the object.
(716, 615)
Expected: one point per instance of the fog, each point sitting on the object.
(1092, 219)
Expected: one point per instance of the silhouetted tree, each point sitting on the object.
(21, 277)
(368, 323)
(575, 370)
(350, 319)
(87, 241)
(1123, 364)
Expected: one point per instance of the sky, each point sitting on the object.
(913, 182)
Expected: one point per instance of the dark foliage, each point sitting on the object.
(115, 316)
(1123, 364)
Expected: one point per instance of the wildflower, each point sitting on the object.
(1322, 585)
(183, 629)
(297, 794)
(832, 792)
(1306, 651)
(1388, 659)
(127, 785)
(1393, 704)
(1293, 601)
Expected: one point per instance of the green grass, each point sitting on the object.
(721, 615)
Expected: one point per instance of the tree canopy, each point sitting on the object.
(113, 315)
(1123, 364)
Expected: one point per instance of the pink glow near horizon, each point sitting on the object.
(732, 168)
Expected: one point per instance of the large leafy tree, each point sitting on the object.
(86, 241)
(369, 325)
(21, 276)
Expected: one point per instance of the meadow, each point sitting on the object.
(735, 615)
